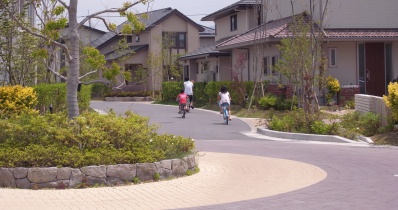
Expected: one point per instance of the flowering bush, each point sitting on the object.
(333, 87)
(15, 100)
(392, 99)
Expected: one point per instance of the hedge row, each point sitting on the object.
(206, 92)
(55, 95)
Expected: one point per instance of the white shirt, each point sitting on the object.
(188, 85)
(224, 97)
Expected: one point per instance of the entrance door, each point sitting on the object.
(375, 69)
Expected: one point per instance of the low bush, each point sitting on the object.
(32, 140)
(351, 126)
(129, 94)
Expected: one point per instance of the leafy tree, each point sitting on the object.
(302, 63)
(56, 16)
(18, 64)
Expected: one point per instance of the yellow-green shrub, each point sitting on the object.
(392, 99)
(16, 100)
(333, 86)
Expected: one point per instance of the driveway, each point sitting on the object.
(358, 176)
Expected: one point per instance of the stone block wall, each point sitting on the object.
(374, 104)
(111, 175)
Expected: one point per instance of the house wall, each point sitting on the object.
(256, 62)
(224, 25)
(224, 73)
(204, 41)
(210, 74)
(342, 13)
(346, 70)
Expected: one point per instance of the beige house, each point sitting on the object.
(158, 23)
(360, 40)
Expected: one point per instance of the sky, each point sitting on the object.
(194, 9)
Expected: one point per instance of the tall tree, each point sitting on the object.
(58, 20)
(302, 63)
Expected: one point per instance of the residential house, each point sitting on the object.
(148, 43)
(210, 64)
(360, 40)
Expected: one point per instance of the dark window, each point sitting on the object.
(259, 15)
(234, 22)
(176, 40)
(265, 65)
(129, 39)
(181, 41)
(137, 38)
(361, 67)
(274, 59)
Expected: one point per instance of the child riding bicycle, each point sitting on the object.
(182, 99)
(224, 99)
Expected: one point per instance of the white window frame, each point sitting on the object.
(332, 57)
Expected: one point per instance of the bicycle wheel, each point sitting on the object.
(225, 115)
(183, 111)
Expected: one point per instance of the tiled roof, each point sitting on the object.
(115, 55)
(277, 29)
(229, 9)
(362, 33)
(153, 17)
(205, 51)
(208, 31)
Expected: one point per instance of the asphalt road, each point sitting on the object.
(358, 176)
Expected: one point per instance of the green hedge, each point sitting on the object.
(206, 92)
(55, 95)
(99, 90)
(51, 140)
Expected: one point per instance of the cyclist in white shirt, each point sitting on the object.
(188, 86)
(224, 97)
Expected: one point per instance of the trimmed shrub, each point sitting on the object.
(55, 95)
(16, 100)
(129, 94)
(34, 140)
(99, 90)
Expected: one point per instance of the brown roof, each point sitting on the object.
(275, 29)
(362, 33)
(279, 29)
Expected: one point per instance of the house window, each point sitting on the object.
(205, 67)
(137, 38)
(274, 60)
(259, 15)
(181, 41)
(129, 39)
(234, 22)
(332, 57)
(176, 40)
(265, 65)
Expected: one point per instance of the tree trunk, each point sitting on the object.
(74, 63)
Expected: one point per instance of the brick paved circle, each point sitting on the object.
(223, 178)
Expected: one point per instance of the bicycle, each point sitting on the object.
(225, 112)
(182, 108)
(188, 108)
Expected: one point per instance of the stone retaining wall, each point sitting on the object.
(111, 175)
